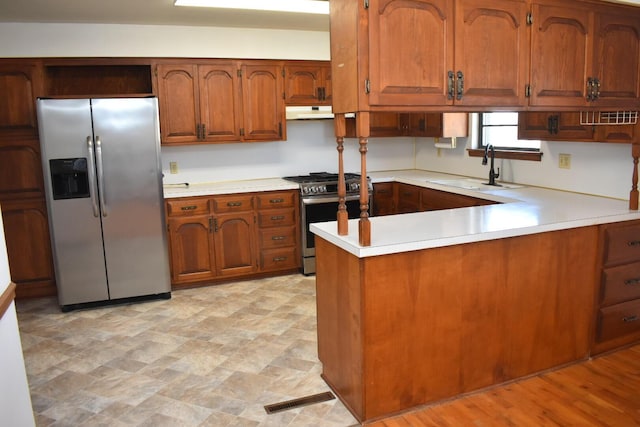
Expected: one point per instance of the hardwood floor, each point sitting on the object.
(604, 391)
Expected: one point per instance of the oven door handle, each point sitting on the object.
(318, 200)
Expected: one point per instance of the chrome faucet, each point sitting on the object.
(492, 173)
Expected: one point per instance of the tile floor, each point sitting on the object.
(210, 356)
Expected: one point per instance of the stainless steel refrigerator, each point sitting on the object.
(103, 182)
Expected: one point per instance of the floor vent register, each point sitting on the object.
(297, 403)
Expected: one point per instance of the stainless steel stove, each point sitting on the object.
(319, 203)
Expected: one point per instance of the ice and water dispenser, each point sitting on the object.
(69, 178)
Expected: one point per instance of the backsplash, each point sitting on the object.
(310, 147)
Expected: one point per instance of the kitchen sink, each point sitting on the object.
(474, 184)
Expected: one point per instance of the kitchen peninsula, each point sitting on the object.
(446, 302)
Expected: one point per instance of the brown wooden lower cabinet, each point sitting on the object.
(618, 317)
(401, 330)
(396, 197)
(29, 247)
(214, 238)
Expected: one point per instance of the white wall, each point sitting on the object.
(95, 40)
(596, 168)
(310, 147)
(15, 402)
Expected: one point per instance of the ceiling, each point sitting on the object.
(153, 12)
(159, 12)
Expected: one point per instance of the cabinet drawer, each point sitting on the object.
(622, 244)
(234, 203)
(275, 200)
(619, 320)
(277, 237)
(279, 259)
(182, 207)
(621, 283)
(276, 218)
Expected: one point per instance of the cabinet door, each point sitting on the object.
(192, 250)
(423, 124)
(20, 169)
(410, 51)
(561, 53)
(235, 238)
(383, 199)
(19, 85)
(408, 198)
(553, 127)
(28, 247)
(263, 106)
(305, 84)
(617, 133)
(220, 102)
(491, 52)
(617, 58)
(178, 101)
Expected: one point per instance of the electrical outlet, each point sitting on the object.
(564, 161)
(173, 167)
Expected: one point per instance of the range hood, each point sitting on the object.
(308, 113)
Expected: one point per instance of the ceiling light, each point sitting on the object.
(298, 6)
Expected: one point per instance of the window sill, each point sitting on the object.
(534, 156)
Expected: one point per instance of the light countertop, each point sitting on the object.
(227, 187)
(524, 210)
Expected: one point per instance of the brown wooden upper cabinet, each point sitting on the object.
(484, 54)
(220, 101)
(431, 53)
(566, 126)
(20, 84)
(307, 83)
(585, 56)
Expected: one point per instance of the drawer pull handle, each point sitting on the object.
(279, 259)
(630, 319)
(278, 238)
(188, 208)
(634, 243)
(632, 282)
(234, 204)
(277, 218)
(276, 201)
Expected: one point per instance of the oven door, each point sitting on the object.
(323, 209)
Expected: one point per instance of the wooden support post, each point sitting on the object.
(362, 131)
(633, 197)
(340, 128)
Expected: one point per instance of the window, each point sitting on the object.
(501, 131)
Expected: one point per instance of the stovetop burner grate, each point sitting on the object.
(314, 177)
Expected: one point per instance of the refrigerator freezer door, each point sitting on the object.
(127, 136)
(75, 231)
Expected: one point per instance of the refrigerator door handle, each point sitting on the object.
(101, 195)
(92, 178)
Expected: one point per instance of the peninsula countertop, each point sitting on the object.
(522, 210)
